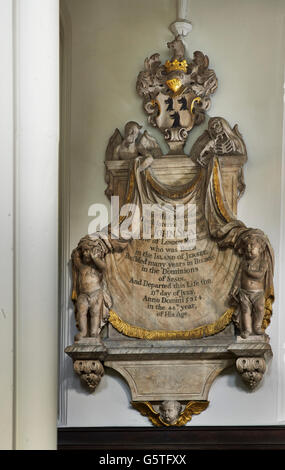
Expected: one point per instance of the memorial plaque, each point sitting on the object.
(183, 288)
(166, 287)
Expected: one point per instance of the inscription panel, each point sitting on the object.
(158, 286)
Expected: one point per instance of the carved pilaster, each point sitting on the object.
(90, 372)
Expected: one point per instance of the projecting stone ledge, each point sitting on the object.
(194, 365)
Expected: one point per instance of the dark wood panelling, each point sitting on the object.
(195, 438)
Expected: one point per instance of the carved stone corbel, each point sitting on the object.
(251, 370)
(90, 372)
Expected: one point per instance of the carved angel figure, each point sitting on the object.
(90, 294)
(248, 290)
(132, 145)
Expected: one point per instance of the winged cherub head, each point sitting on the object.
(169, 411)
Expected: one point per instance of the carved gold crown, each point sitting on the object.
(176, 65)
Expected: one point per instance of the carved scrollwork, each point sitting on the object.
(175, 135)
(152, 109)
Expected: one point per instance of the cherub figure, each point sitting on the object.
(90, 294)
(132, 145)
(128, 148)
(249, 286)
(169, 411)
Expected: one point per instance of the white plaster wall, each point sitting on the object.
(245, 43)
(6, 217)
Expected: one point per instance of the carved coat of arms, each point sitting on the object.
(176, 94)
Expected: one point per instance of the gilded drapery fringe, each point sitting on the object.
(128, 198)
(129, 195)
(142, 333)
(218, 194)
(200, 332)
(269, 299)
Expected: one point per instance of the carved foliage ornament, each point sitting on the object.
(90, 372)
(251, 370)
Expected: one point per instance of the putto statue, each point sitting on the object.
(90, 294)
(252, 281)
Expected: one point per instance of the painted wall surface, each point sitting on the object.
(6, 216)
(245, 43)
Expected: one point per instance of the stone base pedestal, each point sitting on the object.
(177, 372)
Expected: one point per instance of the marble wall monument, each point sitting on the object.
(176, 289)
